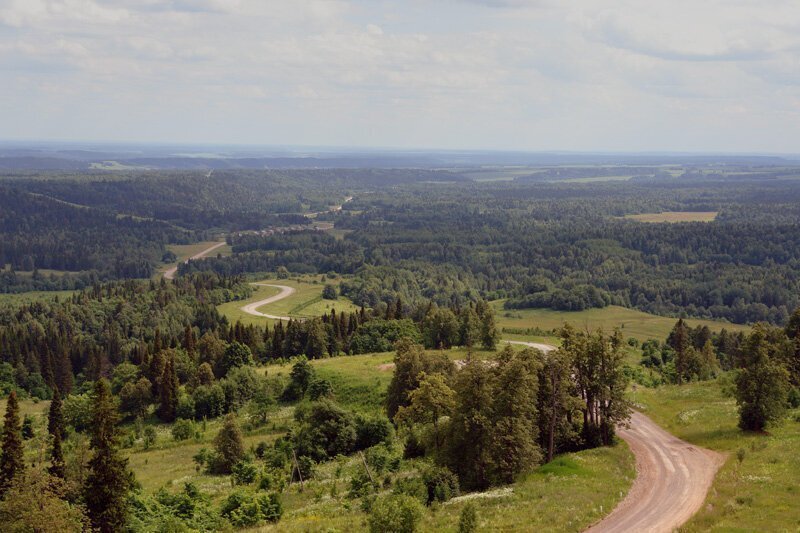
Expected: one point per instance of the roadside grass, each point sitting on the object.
(675, 216)
(633, 323)
(761, 492)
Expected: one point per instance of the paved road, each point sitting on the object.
(170, 273)
(673, 478)
(251, 308)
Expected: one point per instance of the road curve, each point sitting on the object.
(170, 272)
(251, 308)
(538, 345)
(673, 478)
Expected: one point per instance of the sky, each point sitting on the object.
(538, 75)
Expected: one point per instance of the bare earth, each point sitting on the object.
(538, 345)
(170, 273)
(673, 478)
(251, 309)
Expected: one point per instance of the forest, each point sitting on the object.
(405, 397)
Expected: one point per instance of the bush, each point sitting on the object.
(209, 401)
(396, 513)
(319, 389)
(371, 431)
(412, 486)
(186, 407)
(329, 292)
(249, 510)
(442, 484)
(468, 522)
(182, 429)
(244, 473)
(381, 459)
(414, 447)
(325, 431)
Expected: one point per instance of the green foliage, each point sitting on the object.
(320, 389)
(762, 385)
(379, 335)
(410, 361)
(301, 375)
(135, 398)
(329, 292)
(78, 411)
(236, 354)
(209, 401)
(468, 521)
(325, 431)
(228, 446)
(107, 485)
(396, 513)
(372, 430)
(244, 473)
(36, 502)
(244, 510)
(182, 429)
(12, 460)
(440, 483)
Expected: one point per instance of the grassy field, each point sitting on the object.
(305, 302)
(34, 296)
(633, 323)
(675, 216)
(760, 493)
(185, 251)
(568, 494)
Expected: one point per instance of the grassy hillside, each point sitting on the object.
(633, 323)
(761, 492)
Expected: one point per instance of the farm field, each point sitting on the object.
(675, 216)
(633, 323)
(758, 493)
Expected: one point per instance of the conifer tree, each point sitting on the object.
(55, 416)
(12, 462)
(168, 392)
(108, 482)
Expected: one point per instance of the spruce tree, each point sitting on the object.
(108, 482)
(168, 392)
(12, 462)
(55, 416)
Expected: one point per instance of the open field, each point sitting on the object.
(305, 302)
(34, 296)
(633, 323)
(185, 251)
(758, 494)
(675, 216)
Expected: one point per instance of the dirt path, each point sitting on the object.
(538, 345)
(672, 480)
(251, 308)
(170, 272)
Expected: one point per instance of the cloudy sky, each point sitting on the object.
(598, 75)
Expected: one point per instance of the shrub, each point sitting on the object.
(329, 292)
(186, 407)
(442, 484)
(371, 431)
(209, 401)
(244, 473)
(414, 447)
(325, 431)
(182, 429)
(412, 486)
(468, 522)
(396, 513)
(319, 389)
(381, 459)
(250, 510)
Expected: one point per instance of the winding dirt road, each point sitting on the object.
(251, 308)
(170, 272)
(673, 478)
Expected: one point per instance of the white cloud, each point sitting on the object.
(539, 74)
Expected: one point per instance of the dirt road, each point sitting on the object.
(672, 480)
(251, 309)
(170, 273)
(538, 345)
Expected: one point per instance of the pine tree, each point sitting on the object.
(168, 392)
(57, 465)
(679, 341)
(108, 482)
(55, 416)
(12, 461)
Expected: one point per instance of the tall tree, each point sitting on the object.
(762, 384)
(680, 341)
(228, 445)
(168, 392)
(55, 426)
(12, 461)
(428, 403)
(107, 485)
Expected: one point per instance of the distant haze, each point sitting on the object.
(542, 75)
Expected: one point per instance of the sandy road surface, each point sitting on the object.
(538, 345)
(672, 480)
(251, 309)
(170, 273)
